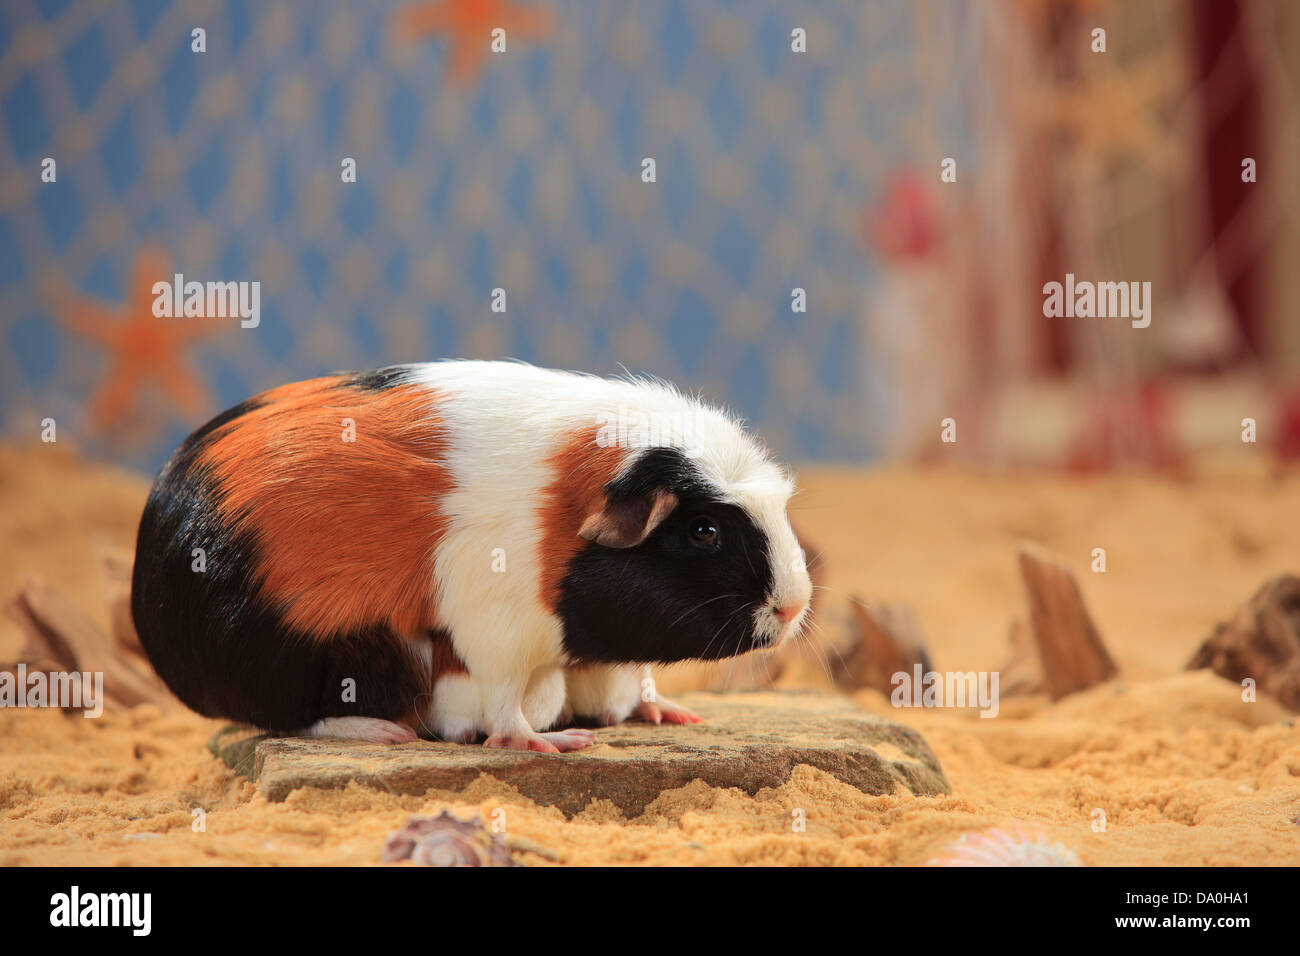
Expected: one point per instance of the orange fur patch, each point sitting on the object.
(445, 660)
(582, 468)
(346, 529)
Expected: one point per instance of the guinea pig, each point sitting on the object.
(460, 549)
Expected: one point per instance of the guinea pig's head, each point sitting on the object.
(689, 556)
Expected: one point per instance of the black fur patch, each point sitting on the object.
(197, 441)
(656, 469)
(379, 379)
(221, 649)
(665, 599)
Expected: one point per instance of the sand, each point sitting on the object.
(1184, 771)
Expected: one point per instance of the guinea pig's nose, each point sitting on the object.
(788, 613)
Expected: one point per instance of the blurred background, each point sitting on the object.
(776, 170)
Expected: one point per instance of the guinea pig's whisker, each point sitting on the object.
(745, 551)
(836, 591)
(821, 656)
(700, 605)
(422, 712)
(718, 633)
(767, 671)
(731, 667)
(735, 656)
(817, 654)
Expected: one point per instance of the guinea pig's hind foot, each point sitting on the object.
(664, 711)
(552, 742)
(370, 729)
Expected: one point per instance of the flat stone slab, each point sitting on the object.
(749, 741)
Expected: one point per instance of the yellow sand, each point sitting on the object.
(1183, 771)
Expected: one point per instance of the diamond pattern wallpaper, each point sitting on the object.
(474, 171)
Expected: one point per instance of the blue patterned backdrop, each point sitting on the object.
(474, 170)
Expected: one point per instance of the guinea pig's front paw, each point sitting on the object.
(662, 711)
(553, 742)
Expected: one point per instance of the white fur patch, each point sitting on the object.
(459, 711)
(607, 694)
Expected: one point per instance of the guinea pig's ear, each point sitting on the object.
(626, 521)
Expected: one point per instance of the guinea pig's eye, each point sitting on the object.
(704, 532)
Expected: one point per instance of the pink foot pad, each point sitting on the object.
(665, 711)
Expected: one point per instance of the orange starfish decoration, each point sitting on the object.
(469, 24)
(144, 349)
(1118, 112)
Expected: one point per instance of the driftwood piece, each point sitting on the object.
(886, 640)
(1261, 642)
(1070, 653)
(59, 637)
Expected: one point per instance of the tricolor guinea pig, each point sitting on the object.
(461, 550)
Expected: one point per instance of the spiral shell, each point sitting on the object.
(446, 841)
(997, 847)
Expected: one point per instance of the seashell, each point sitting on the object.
(446, 841)
(997, 847)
